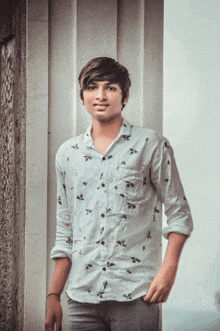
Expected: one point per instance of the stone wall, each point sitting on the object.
(12, 164)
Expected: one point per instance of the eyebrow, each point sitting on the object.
(95, 82)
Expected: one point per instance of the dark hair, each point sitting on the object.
(105, 69)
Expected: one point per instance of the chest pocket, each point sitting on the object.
(130, 184)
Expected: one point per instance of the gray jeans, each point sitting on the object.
(135, 315)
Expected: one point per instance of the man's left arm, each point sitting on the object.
(166, 180)
(161, 286)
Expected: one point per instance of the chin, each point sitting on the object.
(109, 118)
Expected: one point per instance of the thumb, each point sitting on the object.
(59, 321)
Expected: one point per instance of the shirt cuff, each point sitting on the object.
(178, 229)
(60, 252)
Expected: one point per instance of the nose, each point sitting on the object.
(101, 93)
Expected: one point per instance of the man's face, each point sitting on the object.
(103, 100)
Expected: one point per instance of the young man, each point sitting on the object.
(111, 182)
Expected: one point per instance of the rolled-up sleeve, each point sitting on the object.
(64, 236)
(166, 179)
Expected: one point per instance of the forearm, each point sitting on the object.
(163, 281)
(60, 275)
(174, 248)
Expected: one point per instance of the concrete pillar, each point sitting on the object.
(36, 165)
(12, 163)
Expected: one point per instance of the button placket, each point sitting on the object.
(103, 241)
(103, 186)
(103, 252)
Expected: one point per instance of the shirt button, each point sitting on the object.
(104, 269)
(103, 243)
(103, 185)
(103, 215)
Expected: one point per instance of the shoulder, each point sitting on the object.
(150, 135)
(151, 139)
(141, 130)
(68, 146)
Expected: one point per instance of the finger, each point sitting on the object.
(149, 294)
(161, 298)
(165, 298)
(59, 321)
(155, 297)
(49, 326)
(58, 326)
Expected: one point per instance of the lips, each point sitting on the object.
(101, 104)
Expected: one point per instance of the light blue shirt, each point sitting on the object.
(109, 212)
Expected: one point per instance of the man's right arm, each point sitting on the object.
(54, 310)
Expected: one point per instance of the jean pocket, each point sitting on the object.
(142, 298)
(146, 303)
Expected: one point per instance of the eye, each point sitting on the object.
(91, 87)
(112, 88)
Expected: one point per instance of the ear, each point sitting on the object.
(80, 96)
(126, 100)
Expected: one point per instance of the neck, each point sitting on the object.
(106, 129)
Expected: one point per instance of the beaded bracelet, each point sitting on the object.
(54, 294)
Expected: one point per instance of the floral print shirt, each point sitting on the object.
(109, 212)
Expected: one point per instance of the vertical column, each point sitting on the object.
(12, 160)
(130, 52)
(153, 79)
(36, 165)
(153, 65)
(8, 184)
(62, 100)
(140, 49)
(62, 92)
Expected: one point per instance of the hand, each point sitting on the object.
(54, 314)
(161, 285)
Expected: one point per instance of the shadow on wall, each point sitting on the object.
(217, 300)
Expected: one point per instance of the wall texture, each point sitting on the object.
(36, 164)
(12, 162)
(191, 123)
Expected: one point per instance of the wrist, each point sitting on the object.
(167, 264)
(54, 295)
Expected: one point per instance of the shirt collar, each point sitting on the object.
(125, 130)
